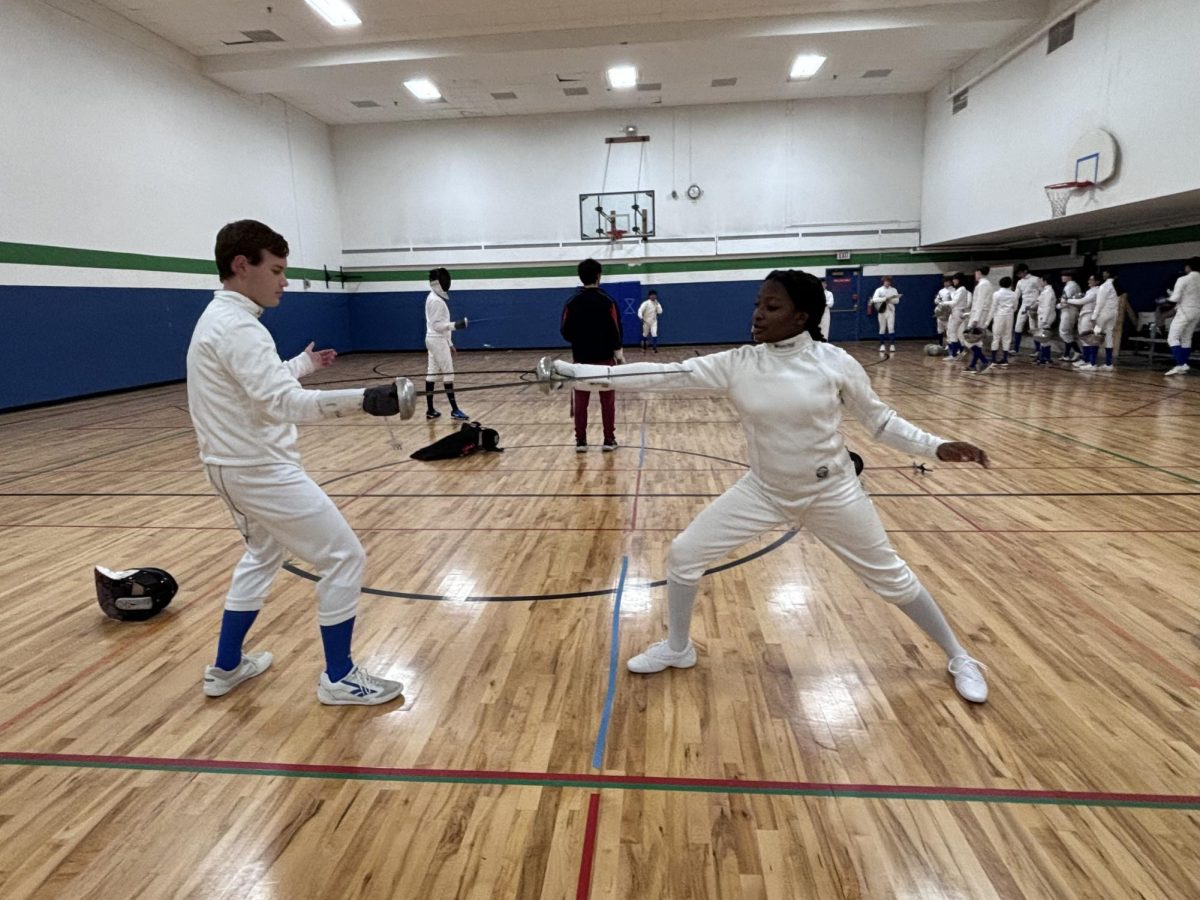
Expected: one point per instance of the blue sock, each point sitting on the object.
(656, 342)
(1016, 342)
(1108, 356)
(1005, 359)
(234, 625)
(336, 639)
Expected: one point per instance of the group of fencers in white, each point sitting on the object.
(999, 314)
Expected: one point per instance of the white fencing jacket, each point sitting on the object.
(437, 317)
(243, 399)
(981, 303)
(790, 397)
(1187, 292)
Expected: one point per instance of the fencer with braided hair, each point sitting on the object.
(789, 389)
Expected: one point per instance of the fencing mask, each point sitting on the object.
(134, 595)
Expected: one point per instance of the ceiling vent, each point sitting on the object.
(503, 95)
(365, 104)
(724, 82)
(575, 91)
(1060, 33)
(256, 37)
(877, 73)
(650, 86)
(960, 102)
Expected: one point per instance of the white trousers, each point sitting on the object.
(954, 327)
(1182, 326)
(1002, 332)
(826, 317)
(279, 509)
(887, 319)
(838, 513)
(941, 326)
(1067, 323)
(1023, 318)
(650, 329)
(441, 362)
(1107, 324)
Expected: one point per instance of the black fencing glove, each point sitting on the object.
(382, 400)
(461, 323)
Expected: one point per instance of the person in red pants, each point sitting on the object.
(591, 325)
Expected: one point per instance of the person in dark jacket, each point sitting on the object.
(591, 325)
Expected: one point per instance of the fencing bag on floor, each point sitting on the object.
(469, 439)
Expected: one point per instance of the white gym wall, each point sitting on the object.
(985, 167)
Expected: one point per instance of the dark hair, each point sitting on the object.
(983, 270)
(1067, 273)
(1022, 267)
(589, 271)
(247, 238)
(948, 277)
(1005, 282)
(1193, 263)
(806, 294)
(653, 293)
(960, 276)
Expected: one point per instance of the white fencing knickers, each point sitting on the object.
(278, 509)
(1068, 319)
(1002, 332)
(837, 512)
(650, 328)
(1182, 326)
(441, 362)
(887, 319)
(1107, 324)
(825, 319)
(954, 327)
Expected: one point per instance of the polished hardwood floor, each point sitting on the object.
(818, 750)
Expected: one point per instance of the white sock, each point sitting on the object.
(925, 612)
(680, 600)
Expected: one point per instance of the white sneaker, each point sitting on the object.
(950, 359)
(881, 349)
(1178, 370)
(660, 656)
(893, 348)
(1086, 367)
(219, 682)
(1107, 367)
(968, 678)
(359, 688)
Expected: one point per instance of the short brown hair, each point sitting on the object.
(247, 238)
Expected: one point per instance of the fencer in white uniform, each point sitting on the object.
(960, 306)
(979, 316)
(827, 316)
(244, 404)
(942, 305)
(1068, 317)
(790, 392)
(1003, 312)
(648, 313)
(438, 343)
(1047, 304)
(885, 299)
(1108, 306)
(1087, 310)
(1028, 286)
(1186, 297)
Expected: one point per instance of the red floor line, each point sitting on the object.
(584, 888)
(560, 778)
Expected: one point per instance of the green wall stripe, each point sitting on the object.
(45, 255)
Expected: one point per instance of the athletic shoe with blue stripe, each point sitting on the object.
(359, 688)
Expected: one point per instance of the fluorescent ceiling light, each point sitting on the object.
(423, 89)
(806, 66)
(335, 12)
(622, 77)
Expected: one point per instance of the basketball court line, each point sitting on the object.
(588, 853)
(930, 793)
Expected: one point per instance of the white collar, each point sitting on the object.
(437, 289)
(239, 300)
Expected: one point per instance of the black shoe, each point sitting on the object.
(581, 447)
(433, 414)
(609, 446)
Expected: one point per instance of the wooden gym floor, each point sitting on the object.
(817, 751)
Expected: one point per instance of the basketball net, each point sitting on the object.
(1059, 194)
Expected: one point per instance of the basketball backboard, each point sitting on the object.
(1094, 157)
(616, 214)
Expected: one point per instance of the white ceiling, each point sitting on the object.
(537, 48)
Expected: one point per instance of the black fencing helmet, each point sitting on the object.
(134, 595)
(441, 277)
(857, 460)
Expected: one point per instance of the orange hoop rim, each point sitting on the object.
(1070, 185)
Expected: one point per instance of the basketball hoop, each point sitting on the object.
(1059, 194)
(615, 234)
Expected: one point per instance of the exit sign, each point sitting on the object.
(843, 255)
